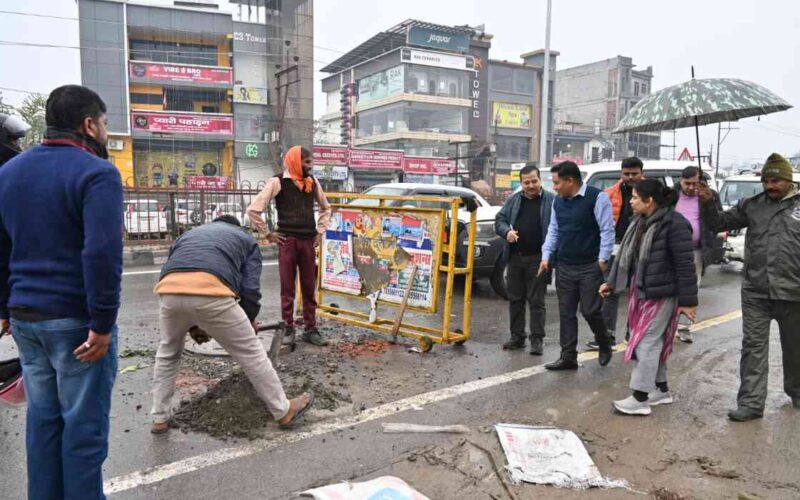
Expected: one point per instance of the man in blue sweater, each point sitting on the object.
(581, 234)
(61, 232)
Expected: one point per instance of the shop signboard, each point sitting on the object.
(431, 166)
(250, 95)
(182, 123)
(509, 115)
(180, 73)
(330, 172)
(330, 155)
(207, 182)
(376, 159)
(437, 59)
(437, 39)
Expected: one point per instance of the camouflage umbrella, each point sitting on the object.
(700, 102)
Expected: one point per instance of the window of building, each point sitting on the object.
(168, 163)
(644, 89)
(636, 88)
(501, 78)
(173, 52)
(147, 98)
(523, 81)
(195, 100)
(417, 117)
(513, 148)
(436, 81)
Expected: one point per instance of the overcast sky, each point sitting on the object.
(751, 39)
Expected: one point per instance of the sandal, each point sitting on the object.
(299, 412)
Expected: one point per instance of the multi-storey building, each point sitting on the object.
(191, 91)
(591, 99)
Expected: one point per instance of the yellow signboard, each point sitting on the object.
(250, 95)
(511, 115)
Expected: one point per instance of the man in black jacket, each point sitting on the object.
(212, 280)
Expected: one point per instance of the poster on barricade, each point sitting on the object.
(366, 250)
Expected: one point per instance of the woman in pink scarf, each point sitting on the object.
(656, 263)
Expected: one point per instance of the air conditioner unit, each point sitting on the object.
(116, 144)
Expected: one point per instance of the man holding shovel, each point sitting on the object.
(212, 281)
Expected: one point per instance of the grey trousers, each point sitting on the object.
(525, 290)
(757, 314)
(225, 322)
(610, 305)
(648, 370)
(579, 284)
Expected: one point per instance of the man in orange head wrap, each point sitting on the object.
(294, 192)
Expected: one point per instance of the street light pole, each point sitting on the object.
(543, 129)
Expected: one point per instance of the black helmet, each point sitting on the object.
(12, 129)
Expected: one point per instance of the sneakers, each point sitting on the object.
(314, 337)
(629, 406)
(513, 345)
(657, 397)
(685, 335)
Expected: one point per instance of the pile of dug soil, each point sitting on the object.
(231, 409)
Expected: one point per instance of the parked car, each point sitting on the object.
(145, 218)
(215, 210)
(183, 211)
(488, 246)
(734, 189)
(604, 175)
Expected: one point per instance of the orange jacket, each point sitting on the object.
(615, 194)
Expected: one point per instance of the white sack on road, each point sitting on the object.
(546, 455)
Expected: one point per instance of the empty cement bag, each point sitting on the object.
(382, 487)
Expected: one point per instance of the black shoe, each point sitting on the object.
(513, 345)
(594, 346)
(314, 337)
(562, 364)
(605, 356)
(537, 347)
(742, 414)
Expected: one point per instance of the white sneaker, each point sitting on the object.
(657, 397)
(630, 406)
(685, 335)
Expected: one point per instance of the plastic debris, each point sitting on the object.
(422, 429)
(134, 368)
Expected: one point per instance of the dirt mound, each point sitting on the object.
(231, 408)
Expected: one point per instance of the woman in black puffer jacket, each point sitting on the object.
(656, 263)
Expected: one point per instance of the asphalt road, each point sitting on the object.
(687, 449)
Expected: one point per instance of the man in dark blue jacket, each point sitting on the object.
(581, 233)
(523, 223)
(60, 272)
(212, 280)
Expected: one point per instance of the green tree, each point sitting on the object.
(32, 111)
(6, 109)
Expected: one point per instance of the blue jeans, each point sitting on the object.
(68, 409)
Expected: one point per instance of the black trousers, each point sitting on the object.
(525, 290)
(579, 284)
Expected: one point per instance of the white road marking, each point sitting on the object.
(157, 271)
(163, 472)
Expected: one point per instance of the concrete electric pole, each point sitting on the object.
(543, 132)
